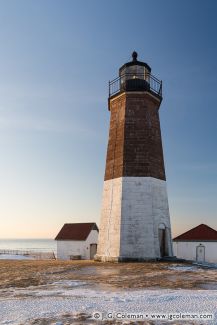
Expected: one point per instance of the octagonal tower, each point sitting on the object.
(135, 221)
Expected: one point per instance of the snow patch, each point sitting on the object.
(183, 268)
(58, 299)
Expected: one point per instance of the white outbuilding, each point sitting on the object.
(77, 241)
(197, 244)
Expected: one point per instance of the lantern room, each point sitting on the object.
(135, 76)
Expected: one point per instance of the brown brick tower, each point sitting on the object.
(135, 222)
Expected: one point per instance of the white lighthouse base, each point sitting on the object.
(135, 221)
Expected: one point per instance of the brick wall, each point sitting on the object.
(134, 146)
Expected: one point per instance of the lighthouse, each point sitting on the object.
(135, 220)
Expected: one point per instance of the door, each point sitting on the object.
(162, 242)
(200, 253)
(93, 248)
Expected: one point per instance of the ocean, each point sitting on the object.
(37, 245)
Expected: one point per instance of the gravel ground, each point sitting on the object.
(120, 275)
(56, 292)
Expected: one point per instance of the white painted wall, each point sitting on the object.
(187, 250)
(109, 232)
(144, 209)
(65, 248)
(133, 209)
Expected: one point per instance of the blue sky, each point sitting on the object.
(55, 62)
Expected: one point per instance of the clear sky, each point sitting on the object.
(56, 59)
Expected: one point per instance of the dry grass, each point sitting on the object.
(123, 275)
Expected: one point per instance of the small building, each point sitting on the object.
(77, 241)
(198, 244)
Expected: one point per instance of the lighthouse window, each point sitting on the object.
(147, 75)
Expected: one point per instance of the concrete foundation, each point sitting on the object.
(135, 221)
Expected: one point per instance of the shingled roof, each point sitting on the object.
(200, 233)
(76, 231)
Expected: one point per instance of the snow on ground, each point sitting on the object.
(15, 257)
(22, 306)
(206, 265)
(183, 268)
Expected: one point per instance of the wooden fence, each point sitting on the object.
(33, 254)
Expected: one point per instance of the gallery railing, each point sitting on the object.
(135, 82)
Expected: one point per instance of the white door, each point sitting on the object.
(200, 253)
(93, 248)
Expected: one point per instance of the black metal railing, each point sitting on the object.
(135, 82)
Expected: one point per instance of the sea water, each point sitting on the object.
(37, 245)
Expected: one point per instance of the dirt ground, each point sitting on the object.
(113, 275)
